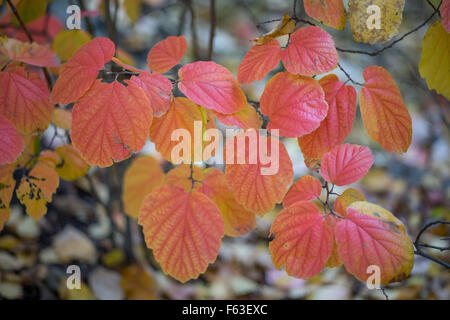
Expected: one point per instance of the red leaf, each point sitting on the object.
(331, 12)
(158, 90)
(11, 143)
(24, 100)
(372, 236)
(31, 53)
(304, 189)
(383, 111)
(166, 54)
(111, 122)
(259, 61)
(211, 86)
(246, 118)
(338, 123)
(346, 163)
(294, 104)
(78, 74)
(184, 230)
(311, 51)
(303, 240)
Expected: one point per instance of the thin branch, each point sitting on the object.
(419, 244)
(109, 22)
(89, 27)
(182, 19)
(212, 30)
(348, 76)
(193, 30)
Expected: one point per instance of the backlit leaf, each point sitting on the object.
(311, 51)
(111, 122)
(72, 165)
(184, 230)
(182, 176)
(141, 177)
(166, 54)
(294, 104)
(11, 143)
(362, 18)
(29, 10)
(246, 118)
(67, 42)
(372, 236)
(7, 184)
(62, 118)
(334, 260)
(79, 73)
(211, 86)
(259, 182)
(36, 189)
(435, 61)
(31, 53)
(349, 196)
(304, 189)
(338, 123)
(24, 100)
(346, 163)
(285, 26)
(158, 90)
(383, 111)
(259, 61)
(303, 240)
(330, 12)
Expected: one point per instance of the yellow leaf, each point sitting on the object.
(62, 118)
(133, 9)
(137, 283)
(67, 42)
(7, 184)
(285, 26)
(434, 65)
(72, 166)
(36, 189)
(375, 21)
(30, 10)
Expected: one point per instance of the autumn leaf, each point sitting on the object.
(184, 230)
(72, 165)
(361, 16)
(334, 260)
(137, 283)
(260, 184)
(133, 9)
(31, 53)
(11, 143)
(445, 13)
(183, 114)
(294, 104)
(36, 189)
(237, 219)
(346, 163)
(246, 118)
(79, 73)
(62, 118)
(285, 26)
(383, 111)
(310, 51)
(304, 189)
(211, 86)
(24, 100)
(259, 61)
(349, 196)
(303, 240)
(158, 90)
(166, 54)
(29, 10)
(67, 42)
(338, 123)
(435, 61)
(7, 185)
(141, 178)
(372, 236)
(182, 176)
(111, 122)
(331, 12)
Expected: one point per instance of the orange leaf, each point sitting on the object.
(304, 189)
(349, 196)
(333, 260)
(31, 53)
(72, 165)
(158, 90)
(62, 118)
(181, 177)
(372, 236)
(78, 74)
(7, 184)
(303, 241)
(294, 104)
(311, 51)
(246, 118)
(383, 111)
(259, 61)
(24, 100)
(338, 123)
(11, 143)
(182, 114)
(183, 229)
(331, 12)
(36, 189)
(258, 185)
(141, 177)
(137, 283)
(237, 219)
(445, 13)
(211, 86)
(166, 54)
(111, 122)
(346, 163)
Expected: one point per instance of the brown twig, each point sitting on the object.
(89, 27)
(193, 30)
(212, 26)
(419, 244)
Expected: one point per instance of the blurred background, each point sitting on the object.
(88, 229)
